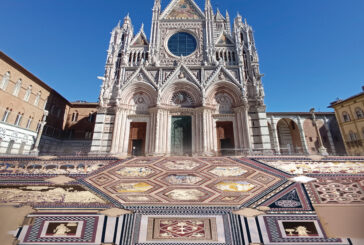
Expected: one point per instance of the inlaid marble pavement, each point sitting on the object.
(177, 200)
(179, 181)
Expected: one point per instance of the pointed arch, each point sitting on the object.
(129, 92)
(223, 87)
(188, 88)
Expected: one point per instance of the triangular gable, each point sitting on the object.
(182, 73)
(224, 40)
(182, 10)
(221, 73)
(292, 198)
(140, 40)
(141, 75)
(218, 16)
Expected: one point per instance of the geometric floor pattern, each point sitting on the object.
(178, 200)
(179, 181)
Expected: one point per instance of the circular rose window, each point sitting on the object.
(182, 43)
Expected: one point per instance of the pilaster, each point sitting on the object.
(302, 135)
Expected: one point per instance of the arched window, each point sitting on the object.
(352, 136)
(10, 146)
(58, 113)
(18, 119)
(75, 116)
(29, 123)
(17, 88)
(241, 37)
(91, 116)
(36, 101)
(38, 126)
(359, 113)
(5, 81)
(88, 135)
(6, 114)
(346, 117)
(28, 93)
(53, 110)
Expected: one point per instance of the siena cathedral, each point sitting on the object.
(194, 87)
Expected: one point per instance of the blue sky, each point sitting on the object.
(311, 51)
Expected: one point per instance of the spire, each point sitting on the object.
(142, 28)
(157, 5)
(127, 19)
(227, 15)
(208, 5)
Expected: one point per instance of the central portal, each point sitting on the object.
(181, 136)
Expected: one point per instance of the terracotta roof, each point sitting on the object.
(300, 113)
(332, 104)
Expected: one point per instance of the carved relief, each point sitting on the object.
(141, 103)
(182, 99)
(224, 103)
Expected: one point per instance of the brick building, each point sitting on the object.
(350, 116)
(36, 117)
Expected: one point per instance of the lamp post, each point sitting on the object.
(322, 149)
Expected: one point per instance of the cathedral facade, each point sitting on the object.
(193, 88)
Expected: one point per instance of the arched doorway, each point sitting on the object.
(289, 137)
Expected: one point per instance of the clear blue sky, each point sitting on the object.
(311, 51)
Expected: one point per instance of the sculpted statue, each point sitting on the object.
(302, 231)
(61, 230)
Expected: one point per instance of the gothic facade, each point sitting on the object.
(193, 88)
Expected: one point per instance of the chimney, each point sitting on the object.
(362, 87)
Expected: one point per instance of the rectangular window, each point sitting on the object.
(38, 127)
(18, 119)
(29, 122)
(6, 115)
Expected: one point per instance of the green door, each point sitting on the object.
(181, 136)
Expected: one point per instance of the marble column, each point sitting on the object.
(35, 150)
(121, 133)
(302, 135)
(329, 135)
(242, 118)
(275, 136)
(161, 131)
(207, 129)
(116, 130)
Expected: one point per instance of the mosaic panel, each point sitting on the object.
(183, 180)
(36, 194)
(183, 229)
(131, 172)
(34, 166)
(70, 229)
(180, 164)
(291, 229)
(184, 194)
(183, 10)
(288, 198)
(190, 229)
(301, 167)
(132, 186)
(337, 190)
